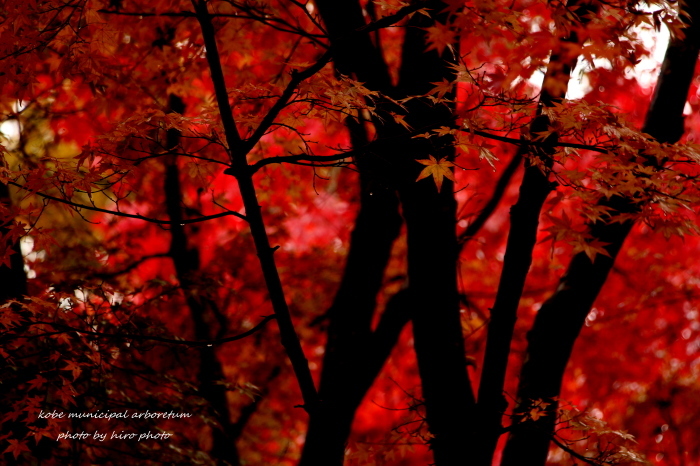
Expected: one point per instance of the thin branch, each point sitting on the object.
(216, 72)
(390, 20)
(492, 203)
(193, 343)
(302, 158)
(276, 23)
(352, 153)
(124, 214)
(525, 142)
(573, 453)
(145, 14)
(239, 163)
(297, 78)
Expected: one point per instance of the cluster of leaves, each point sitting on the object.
(589, 439)
(84, 360)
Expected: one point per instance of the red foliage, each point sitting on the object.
(110, 322)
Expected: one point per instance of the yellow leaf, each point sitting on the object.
(463, 75)
(437, 169)
(536, 413)
(444, 130)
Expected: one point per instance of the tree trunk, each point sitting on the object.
(354, 354)
(352, 360)
(240, 169)
(430, 216)
(432, 249)
(524, 222)
(560, 319)
(186, 262)
(13, 280)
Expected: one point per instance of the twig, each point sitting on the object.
(124, 214)
(131, 336)
(573, 453)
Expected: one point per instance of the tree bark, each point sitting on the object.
(351, 359)
(430, 218)
(561, 318)
(432, 249)
(524, 222)
(354, 354)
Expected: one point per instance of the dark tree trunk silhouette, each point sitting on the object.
(432, 250)
(354, 353)
(524, 223)
(202, 310)
(561, 318)
(240, 170)
(13, 280)
(352, 356)
(430, 219)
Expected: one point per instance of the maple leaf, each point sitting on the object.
(591, 247)
(13, 415)
(536, 413)
(16, 447)
(442, 88)
(437, 169)
(74, 368)
(37, 382)
(38, 434)
(486, 154)
(9, 318)
(440, 36)
(400, 119)
(538, 410)
(463, 74)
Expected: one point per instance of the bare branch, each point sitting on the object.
(302, 158)
(297, 78)
(492, 203)
(124, 214)
(131, 336)
(525, 142)
(573, 453)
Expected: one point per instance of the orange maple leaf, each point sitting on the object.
(440, 36)
(536, 413)
(437, 169)
(442, 88)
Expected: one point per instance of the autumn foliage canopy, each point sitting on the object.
(349, 232)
